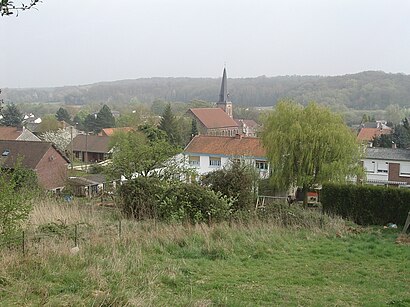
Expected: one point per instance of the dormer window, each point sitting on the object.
(5, 153)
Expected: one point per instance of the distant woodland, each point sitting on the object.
(362, 91)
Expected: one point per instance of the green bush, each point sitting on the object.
(139, 198)
(150, 197)
(193, 203)
(17, 189)
(366, 205)
(237, 182)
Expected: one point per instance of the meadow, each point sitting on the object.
(289, 257)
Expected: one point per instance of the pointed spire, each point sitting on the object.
(223, 94)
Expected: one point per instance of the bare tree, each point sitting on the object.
(7, 7)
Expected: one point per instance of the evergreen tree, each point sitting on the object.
(97, 121)
(169, 125)
(194, 130)
(105, 119)
(63, 115)
(12, 116)
(90, 123)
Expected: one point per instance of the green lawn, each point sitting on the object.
(259, 263)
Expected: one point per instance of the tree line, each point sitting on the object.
(365, 90)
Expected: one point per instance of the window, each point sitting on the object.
(194, 160)
(214, 161)
(383, 167)
(261, 165)
(405, 169)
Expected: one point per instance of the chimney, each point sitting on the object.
(393, 145)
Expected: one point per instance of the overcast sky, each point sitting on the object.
(72, 42)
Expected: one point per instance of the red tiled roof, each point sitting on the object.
(213, 117)
(10, 133)
(91, 143)
(368, 134)
(111, 131)
(225, 145)
(31, 152)
(248, 122)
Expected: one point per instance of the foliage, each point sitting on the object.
(237, 181)
(150, 197)
(61, 138)
(97, 121)
(17, 187)
(401, 134)
(12, 116)
(309, 145)
(394, 114)
(139, 197)
(193, 203)
(384, 140)
(63, 115)
(48, 123)
(7, 7)
(362, 91)
(141, 153)
(169, 125)
(194, 128)
(366, 205)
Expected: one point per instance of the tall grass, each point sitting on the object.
(280, 256)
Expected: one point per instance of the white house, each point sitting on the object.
(209, 153)
(387, 166)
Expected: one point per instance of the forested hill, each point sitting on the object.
(365, 90)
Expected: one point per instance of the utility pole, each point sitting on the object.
(72, 150)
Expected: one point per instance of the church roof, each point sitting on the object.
(213, 117)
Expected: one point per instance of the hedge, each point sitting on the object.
(366, 205)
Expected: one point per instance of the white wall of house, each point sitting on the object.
(377, 170)
(204, 163)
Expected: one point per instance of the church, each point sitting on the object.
(219, 121)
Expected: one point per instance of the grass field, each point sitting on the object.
(296, 258)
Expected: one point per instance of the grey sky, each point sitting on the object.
(70, 42)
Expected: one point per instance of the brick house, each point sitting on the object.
(219, 121)
(387, 166)
(49, 164)
(214, 121)
(90, 148)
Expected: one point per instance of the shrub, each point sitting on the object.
(366, 205)
(17, 188)
(139, 197)
(193, 203)
(236, 181)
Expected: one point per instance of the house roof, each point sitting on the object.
(379, 153)
(31, 152)
(91, 143)
(368, 134)
(10, 133)
(213, 117)
(248, 122)
(111, 131)
(227, 146)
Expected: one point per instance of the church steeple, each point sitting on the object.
(223, 94)
(224, 102)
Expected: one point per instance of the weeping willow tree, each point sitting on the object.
(308, 146)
